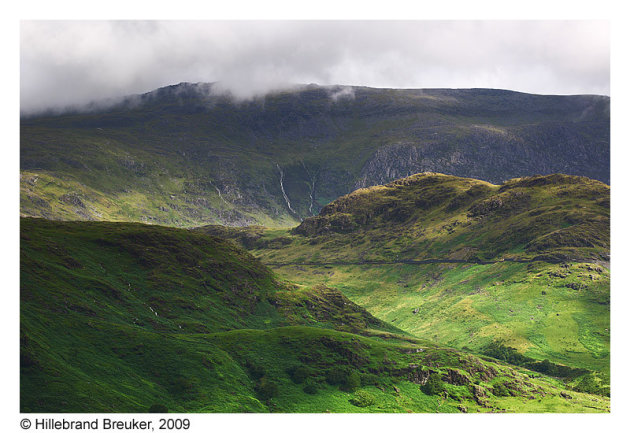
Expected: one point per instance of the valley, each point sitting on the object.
(548, 300)
(318, 249)
(135, 318)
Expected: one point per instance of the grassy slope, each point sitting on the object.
(118, 317)
(469, 306)
(556, 310)
(176, 158)
(433, 216)
(429, 216)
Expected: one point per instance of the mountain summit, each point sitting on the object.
(189, 155)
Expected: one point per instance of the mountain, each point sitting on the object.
(554, 217)
(188, 155)
(126, 317)
(431, 216)
(522, 266)
(364, 288)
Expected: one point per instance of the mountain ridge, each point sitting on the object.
(432, 216)
(181, 156)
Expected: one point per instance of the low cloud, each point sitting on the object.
(343, 93)
(73, 63)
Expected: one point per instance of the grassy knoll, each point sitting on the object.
(551, 218)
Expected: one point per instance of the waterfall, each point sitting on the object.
(312, 185)
(284, 194)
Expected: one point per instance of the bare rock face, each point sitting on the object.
(490, 152)
(455, 377)
(480, 396)
(419, 376)
(72, 199)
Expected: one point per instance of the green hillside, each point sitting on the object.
(121, 317)
(186, 156)
(464, 263)
(196, 253)
(430, 216)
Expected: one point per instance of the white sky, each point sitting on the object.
(73, 62)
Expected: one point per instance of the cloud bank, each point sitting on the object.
(72, 63)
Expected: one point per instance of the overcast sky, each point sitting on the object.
(69, 63)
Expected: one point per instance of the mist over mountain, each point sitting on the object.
(192, 154)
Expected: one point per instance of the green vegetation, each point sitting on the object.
(433, 385)
(429, 216)
(181, 156)
(158, 408)
(431, 293)
(362, 398)
(119, 317)
(472, 306)
(467, 264)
